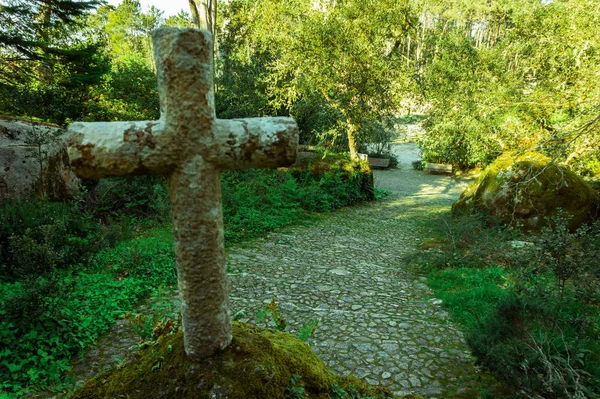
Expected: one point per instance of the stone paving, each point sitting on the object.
(378, 321)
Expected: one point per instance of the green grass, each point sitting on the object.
(525, 324)
(471, 295)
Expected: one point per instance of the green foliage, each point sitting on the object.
(258, 201)
(128, 29)
(529, 308)
(180, 20)
(271, 315)
(241, 89)
(569, 256)
(35, 31)
(150, 328)
(476, 241)
(127, 92)
(60, 93)
(294, 390)
(378, 135)
(46, 320)
(38, 237)
(144, 198)
(344, 55)
(351, 392)
(308, 329)
(46, 63)
(101, 68)
(471, 294)
(62, 285)
(333, 67)
(460, 140)
(418, 165)
(511, 76)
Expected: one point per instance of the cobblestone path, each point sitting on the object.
(377, 321)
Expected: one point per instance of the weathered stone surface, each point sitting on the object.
(523, 190)
(191, 147)
(22, 174)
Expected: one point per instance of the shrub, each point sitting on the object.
(256, 201)
(38, 236)
(543, 343)
(458, 138)
(534, 320)
(143, 197)
(569, 256)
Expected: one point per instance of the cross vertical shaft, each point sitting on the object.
(195, 192)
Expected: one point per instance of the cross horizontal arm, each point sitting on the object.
(107, 149)
(254, 143)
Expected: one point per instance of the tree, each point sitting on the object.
(180, 20)
(129, 30)
(511, 75)
(44, 57)
(241, 89)
(348, 52)
(28, 28)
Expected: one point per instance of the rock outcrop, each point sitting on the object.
(523, 190)
(34, 161)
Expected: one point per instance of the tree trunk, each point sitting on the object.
(43, 19)
(408, 52)
(204, 13)
(352, 144)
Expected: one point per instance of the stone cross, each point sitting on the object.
(190, 146)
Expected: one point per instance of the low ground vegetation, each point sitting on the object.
(68, 271)
(528, 303)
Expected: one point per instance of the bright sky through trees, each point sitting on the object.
(170, 7)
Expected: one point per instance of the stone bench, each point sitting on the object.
(379, 162)
(438, 168)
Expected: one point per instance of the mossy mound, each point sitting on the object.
(259, 363)
(330, 163)
(523, 190)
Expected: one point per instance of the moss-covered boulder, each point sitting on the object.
(259, 363)
(523, 190)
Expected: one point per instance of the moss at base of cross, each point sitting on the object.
(259, 363)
